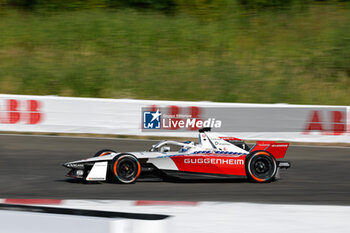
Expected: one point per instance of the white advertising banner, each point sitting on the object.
(52, 114)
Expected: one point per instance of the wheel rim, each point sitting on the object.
(262, 167)
(127, 169)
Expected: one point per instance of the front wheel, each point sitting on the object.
(261, 167)
(125, 168)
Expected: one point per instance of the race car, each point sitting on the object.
(214, 156)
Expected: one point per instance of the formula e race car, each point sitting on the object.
(214, 156)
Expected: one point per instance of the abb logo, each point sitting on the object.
(337, 125)
(178, 113)
(26, 111)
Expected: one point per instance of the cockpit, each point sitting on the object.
(166, 146)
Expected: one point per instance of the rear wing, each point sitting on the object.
(278, 150)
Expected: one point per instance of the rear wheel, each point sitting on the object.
(125, 168)
(104, 152)
(261, 167)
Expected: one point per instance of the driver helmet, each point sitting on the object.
(183, 149)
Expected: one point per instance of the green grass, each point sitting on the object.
(300, 57)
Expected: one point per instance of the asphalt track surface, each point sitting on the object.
(30, 167)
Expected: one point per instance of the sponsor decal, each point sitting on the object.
(191, 123)
(96, 178)
(80, 172)
(152, 120)
(214, 161)
(277, 145)
(335, 126)
(173, 119)
(211, 164)
(74, 165)
(221, 143)
(14, 111)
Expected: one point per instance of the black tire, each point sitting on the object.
(125, 168)
(104, 152)
(261, 167)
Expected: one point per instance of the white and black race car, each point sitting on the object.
(214, 156)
